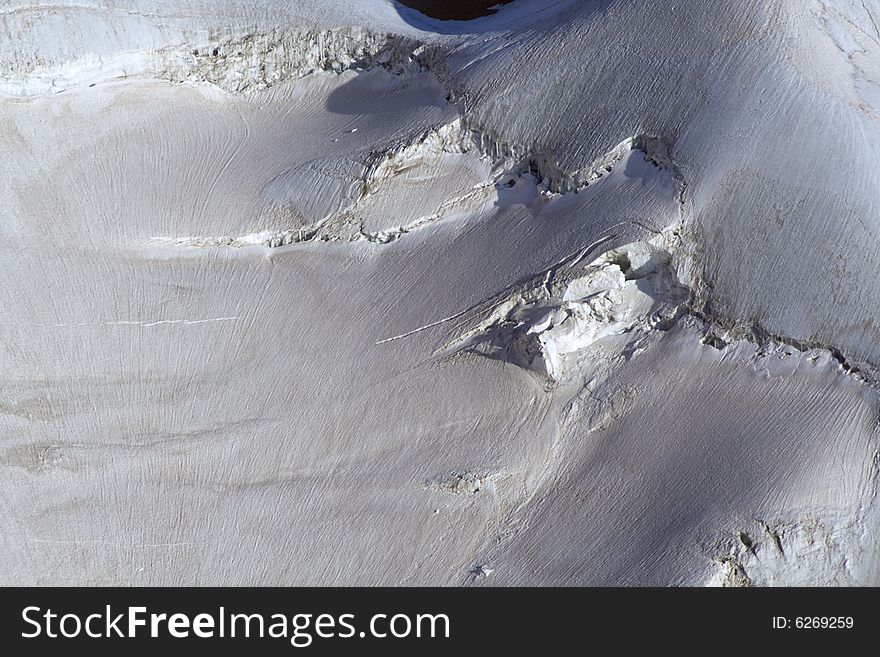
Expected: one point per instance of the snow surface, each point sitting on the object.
(333, 293)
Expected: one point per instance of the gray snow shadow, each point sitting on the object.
(368, 92)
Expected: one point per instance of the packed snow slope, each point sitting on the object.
(339, 293)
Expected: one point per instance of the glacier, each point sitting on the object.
(575, 292)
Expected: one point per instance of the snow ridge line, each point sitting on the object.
(235, 63)
(453, 138)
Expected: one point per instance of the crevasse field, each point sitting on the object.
(575, 293)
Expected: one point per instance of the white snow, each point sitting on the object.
(332, 293)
